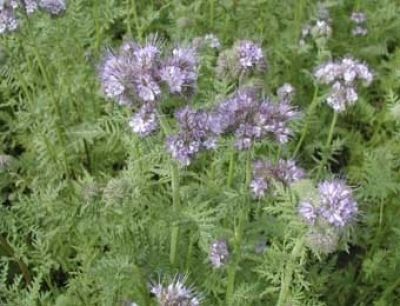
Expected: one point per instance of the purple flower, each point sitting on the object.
(250, 56)
(251, 119)
(194, 135)
(219, 253)
(114, 75)
(275, 119)
(337, 204)
(179, 72)
(341, 96)
(53, 7)
(8, 20)
(30, 6)
(176, 293)
(145, 121)
(147, 88)
(288, 172)
(131, 75)
(342, 76)
(264, 172)
(258, 187)
(308, 212)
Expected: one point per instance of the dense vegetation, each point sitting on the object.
(199, 152)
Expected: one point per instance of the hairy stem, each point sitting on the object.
(287, 276)
(231, 168)
(248, 168)
(235, 262)
(176, 205)
(325, 152)
(176, 200)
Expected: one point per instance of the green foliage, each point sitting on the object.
(87, 207)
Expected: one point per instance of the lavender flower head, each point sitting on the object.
(179, 72)
(343, 76)
(251, 119)
(275, 119)
(194, 136)
(219, 253)
(264, 173)
(53, 7)
(131, 75)
(250, 56)
(8, 20)
(175, 294)
(335, 205)
(30, 6)
(145, 121)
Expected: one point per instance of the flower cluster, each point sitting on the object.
(342, 75)
(8, 8)
(8, 20)
(131, 75)
(250, 56)
(179, 71)
(194, 135)
(320, 28)
(134, 75)
(249, 118)
(219, 253)
(359, 20)
(334, 205)
(264, 173)
(244, 58)
(175, 294)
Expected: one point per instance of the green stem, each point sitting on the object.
(231, 168)
(176, 206)
(325, 152)
(310, 111)
(176, 200)
(287, 276)
(235, 261)
(189, 251)
(22, 266)
(248, 168)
